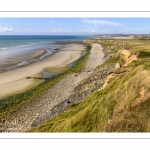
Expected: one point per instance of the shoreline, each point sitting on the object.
(13, 63)
(11, 80)
(53, 101)
(34, 57)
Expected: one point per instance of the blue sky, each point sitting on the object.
(73, 26)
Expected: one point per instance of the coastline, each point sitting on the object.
(21, 60)
(55, 63)
(53, 101)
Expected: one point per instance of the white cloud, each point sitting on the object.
(5, 29)
(86, 30)
(94, 30)
(57, 30)
(60, 31)
(101, 22)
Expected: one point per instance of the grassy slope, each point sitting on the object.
(119, 107)
(15, 102)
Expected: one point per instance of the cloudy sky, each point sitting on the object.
(73, 26)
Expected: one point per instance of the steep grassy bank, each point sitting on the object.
(122, 106)
(15, 102)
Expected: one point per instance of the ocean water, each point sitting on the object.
(8, 42)
(15, 49)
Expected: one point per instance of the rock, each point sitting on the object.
(124, 55)
(117, 66)
(68, 102)
(76, 74)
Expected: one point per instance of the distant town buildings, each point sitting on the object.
(121, 36)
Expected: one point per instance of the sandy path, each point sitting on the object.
(40, 107)
(10, 81)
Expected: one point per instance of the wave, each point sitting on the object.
(23, 46)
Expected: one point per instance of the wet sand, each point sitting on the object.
(37, 53)
(10, 62)
(15, 82)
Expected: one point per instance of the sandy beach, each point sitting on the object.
(15, 82)
(54, 100)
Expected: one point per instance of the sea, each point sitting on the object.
(15, 49)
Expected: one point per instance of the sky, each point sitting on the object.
(73, 26)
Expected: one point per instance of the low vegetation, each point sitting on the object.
(143, 54)
(122, 106)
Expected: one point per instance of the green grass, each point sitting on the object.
(81, 117)
(143, 54)
(117, 108)
(15, 102)
(92, 114)
(133, 45)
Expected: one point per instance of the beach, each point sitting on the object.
(55, 100)
(16, 81)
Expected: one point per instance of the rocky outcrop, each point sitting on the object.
(107, 80)
(126, 57)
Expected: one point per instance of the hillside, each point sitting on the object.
(122, 103)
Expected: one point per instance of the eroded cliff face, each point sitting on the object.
(126, 57)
